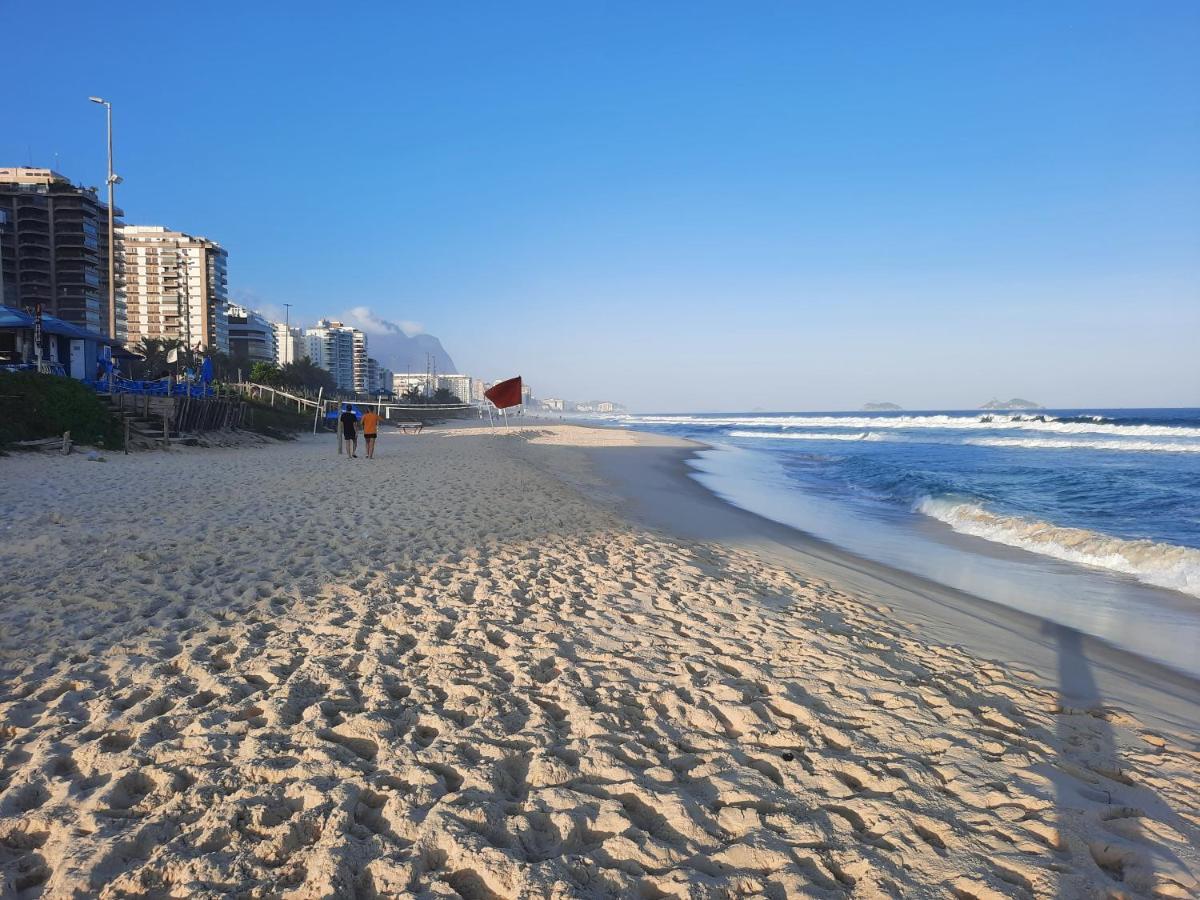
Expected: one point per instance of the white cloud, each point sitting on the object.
(362, 317)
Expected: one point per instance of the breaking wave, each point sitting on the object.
(1134, 446)
(976, 422)
(805, 436)
(1031, 443)
(1160, 564)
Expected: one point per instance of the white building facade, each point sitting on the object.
(458, 385)
(290, 345)
(176, 287)
(341, 351)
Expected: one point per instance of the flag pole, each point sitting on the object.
(491, 423)
(505, 411)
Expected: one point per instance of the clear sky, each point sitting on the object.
(680, 206)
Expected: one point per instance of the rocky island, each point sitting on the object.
(881, 407)
(1014, 403)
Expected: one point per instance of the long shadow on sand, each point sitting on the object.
(1091, 785)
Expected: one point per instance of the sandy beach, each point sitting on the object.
(479, 666)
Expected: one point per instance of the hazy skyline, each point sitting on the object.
(678, 206)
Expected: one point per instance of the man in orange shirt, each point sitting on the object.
(370, 426)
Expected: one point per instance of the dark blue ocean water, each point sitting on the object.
(1090, 517)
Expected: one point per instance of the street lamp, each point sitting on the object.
(112, 181)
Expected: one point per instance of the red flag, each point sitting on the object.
(504, 394)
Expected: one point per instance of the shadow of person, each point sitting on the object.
(1099, 807)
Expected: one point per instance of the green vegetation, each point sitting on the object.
(415, 396)
(275, 421)
(36, 406)
(301, 374)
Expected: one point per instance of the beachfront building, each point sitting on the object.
(65, 348)
(176, 287)
(379, 378)
(54, 249)
(552, 404)
(341, 351)
(526, 394)
(403, 382)
(290, 345)
(458, 385)
(251, 336)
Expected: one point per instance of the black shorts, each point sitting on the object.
(369, 437)
(349, 435)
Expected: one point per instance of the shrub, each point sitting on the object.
(275, 422)
(36, 406)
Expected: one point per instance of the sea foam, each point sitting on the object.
(983, 422)
(1160, 564)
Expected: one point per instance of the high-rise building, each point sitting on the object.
(375, 379)
(54, 249)
(251, 336)
(403, 382)
(341, 351)
(290, 345)
(176, 287)
(458, 385)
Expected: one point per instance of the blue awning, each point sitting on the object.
(11, 317)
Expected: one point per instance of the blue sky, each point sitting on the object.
(676, 205)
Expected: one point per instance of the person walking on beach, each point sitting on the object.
(349, 425)
(370, 425)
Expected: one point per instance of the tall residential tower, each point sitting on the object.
(341, 351)
(176, 287)
(54, 248)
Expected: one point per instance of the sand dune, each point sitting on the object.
(274, 672)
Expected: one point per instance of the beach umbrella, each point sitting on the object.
(206, 370)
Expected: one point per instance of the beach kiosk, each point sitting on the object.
(66, 349)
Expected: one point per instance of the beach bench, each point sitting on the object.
(410, 427)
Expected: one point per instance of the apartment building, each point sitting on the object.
(290, 345)
(251, 336)
(403, 382)
(379, 378)
(341, 351)
(176, 287)
(459, 386)
(54, 249)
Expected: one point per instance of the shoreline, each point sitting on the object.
(466, 667)
(684, 507)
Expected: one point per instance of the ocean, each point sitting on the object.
(1087, 518)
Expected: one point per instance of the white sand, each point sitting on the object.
(452, 670)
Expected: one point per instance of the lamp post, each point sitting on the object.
(112, 181)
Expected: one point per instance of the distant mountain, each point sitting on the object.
(880, 407)
(401, 353)
(1014, 403)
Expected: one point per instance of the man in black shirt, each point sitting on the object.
(349, 424)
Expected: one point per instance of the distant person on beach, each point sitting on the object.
(350, 430)
(370, 425)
